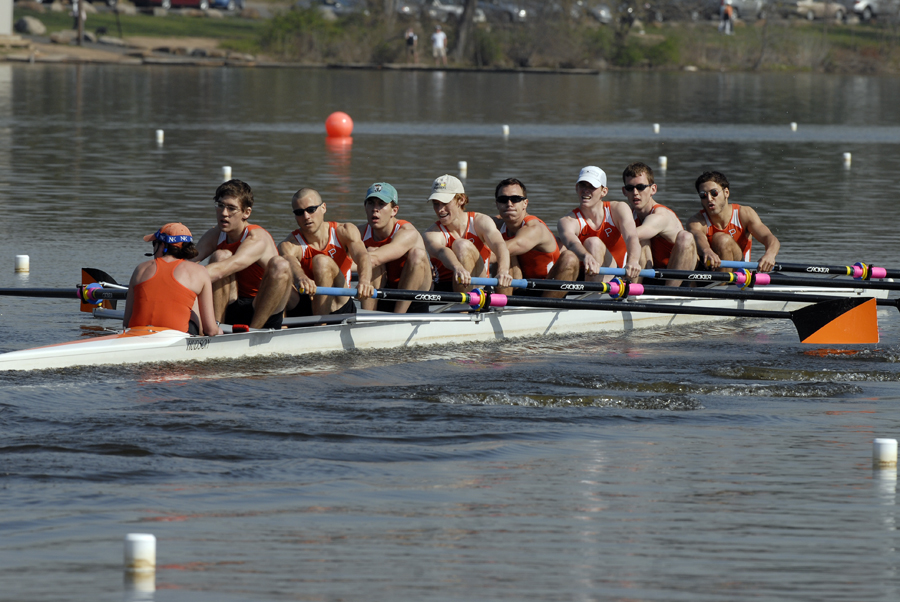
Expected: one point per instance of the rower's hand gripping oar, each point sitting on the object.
(843, 321)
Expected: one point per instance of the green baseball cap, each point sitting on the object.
(383, 191)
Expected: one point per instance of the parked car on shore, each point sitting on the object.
(872, 9)
(445, 11)
(167, 4)
(495, 10)
(817, 9)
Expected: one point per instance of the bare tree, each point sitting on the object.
(466, 25)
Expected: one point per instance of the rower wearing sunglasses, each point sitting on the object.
(250, 281)
(600, 233)
(665, 244)
(461, 242)
(724, 230)
(533, 249)
(322, 253)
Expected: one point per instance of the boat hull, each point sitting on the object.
(363, 331)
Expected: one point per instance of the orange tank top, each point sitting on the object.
(534, 263)
(332, 248)
(733, 228)
(608, 233)
(660, 248)
(161, 300)
(441, 272)
(394, 268)
(248, 279)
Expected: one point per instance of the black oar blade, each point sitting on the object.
(845, 321)
(91, 276)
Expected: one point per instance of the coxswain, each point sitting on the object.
(601, 233)
(725, 230)
(251, 283)
(533, 249)
(664, 241)
(460, 242)
(396, 250)
(322, 253)
(169, 292)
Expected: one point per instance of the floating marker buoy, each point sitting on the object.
(663, 162)
(463, 169)
(226, 173)
(339, 125)
(160, 136)
(793, 126)
(22, 264)
(140, 552)
(655, 128)
(506, 130)
(848, 158)
(884, 453)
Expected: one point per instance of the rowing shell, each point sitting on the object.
(369, 330)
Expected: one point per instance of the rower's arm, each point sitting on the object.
(624, 221)
(206, 245)
(251, 250)
(529, 236)
(697, 227)
(568, 229)
(761, 232)
(205, 302)
(404, 240)
(435, 244)
(129, 298)
(487, 231)
(349, 237)
(290, 250)
(652, 226)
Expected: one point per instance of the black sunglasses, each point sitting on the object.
(514, 199)
(309, 210)
(640, 187)
(714, 192)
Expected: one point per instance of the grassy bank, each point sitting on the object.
(305, 36)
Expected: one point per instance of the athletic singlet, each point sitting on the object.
(660, 248)
(441, 273)
(393, 268)
(248, 279)
(161, 300)
(734, 229)
(534, 263)
(333, 249)
(608, 233)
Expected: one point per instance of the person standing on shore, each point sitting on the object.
(412, 46)
(439, 45)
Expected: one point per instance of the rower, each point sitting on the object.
(396, 250)
(250, 281)
(460, 242)
(533, 249)
(664, 241)
(322, 253)
(169, 292)
(725, 230)
(600, 233)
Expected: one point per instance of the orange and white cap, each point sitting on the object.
(173, 234)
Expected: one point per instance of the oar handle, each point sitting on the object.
(859, 271)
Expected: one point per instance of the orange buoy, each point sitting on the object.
(339, 125)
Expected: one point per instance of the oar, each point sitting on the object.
(91, 293)
(860, 271)
(843, 321)
(620, 290)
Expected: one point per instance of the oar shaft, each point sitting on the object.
(856, 271)
(63, 293)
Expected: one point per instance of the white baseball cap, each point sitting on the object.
(594, 176)
(445, 188)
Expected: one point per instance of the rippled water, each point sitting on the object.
(714, 462)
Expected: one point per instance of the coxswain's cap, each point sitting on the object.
(594, 176)
(383, 191)
(173, 234)
(445, 188)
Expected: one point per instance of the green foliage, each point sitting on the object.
(599, 42)
(629, 55)
(299, 32)
(486, 49)
(664, 53)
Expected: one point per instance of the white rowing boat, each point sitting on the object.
(376, 330)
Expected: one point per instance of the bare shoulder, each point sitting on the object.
(747, 213)
(348, 231)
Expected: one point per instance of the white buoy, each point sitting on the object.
(140, 552)
(22, 264)
(505, 130)
(848, 158)
(463, 169)
(655, 128)
(226, 173)
(793, 126)
(663, 162)
(884, 453)
(140, 587)
(160, 136)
